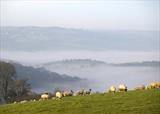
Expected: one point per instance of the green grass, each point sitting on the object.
(132, 102)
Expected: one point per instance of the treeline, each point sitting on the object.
(11, 88)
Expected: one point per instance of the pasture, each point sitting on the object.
(131, 102)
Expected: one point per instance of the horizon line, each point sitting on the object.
(72, 28)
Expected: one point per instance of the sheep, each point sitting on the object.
(158, 85)
(112, 89)
(66, 93)
(122, 87)
(40, 100)
(142, 87)
(59, 95)
(24, 101)
(88, 92)
(44, 96)
(80, 92)
(148, 87)
(33, 100)
(53, 98)
(153, 85)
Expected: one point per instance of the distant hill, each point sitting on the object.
(71, 64)
(53, 38)
(75, 62)
(44, 80)
(85, 63)
(139, 64)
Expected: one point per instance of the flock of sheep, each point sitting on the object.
(60, 94)
(122, 87)
(112, 89)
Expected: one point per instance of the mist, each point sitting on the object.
(35, 46)
(101, 77)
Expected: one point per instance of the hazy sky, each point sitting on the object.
(122, 14)
(92, 15)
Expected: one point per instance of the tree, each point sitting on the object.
(21, 87)
(12, 88)
(7, 75)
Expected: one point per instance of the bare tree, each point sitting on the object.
(21, 87)
(7, 73)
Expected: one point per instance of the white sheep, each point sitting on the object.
(158, 85)
(24, 101)
(88, 92)
(112, 89)
(122, 87)
(80, 92)
(32, 100)
(153, 85)
(67, 93)
(53, 98)
(45, 96)
(59, 95)
(142, 87)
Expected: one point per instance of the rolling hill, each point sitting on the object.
(83, 63)
(53, 38)
(43, 80)
(132, 102)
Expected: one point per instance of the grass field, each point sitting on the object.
(132, 102)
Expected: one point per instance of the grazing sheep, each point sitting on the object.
(88, 92)
(53, 98)
(59, 95)
(33, 100)
(112, 89)
(40, 100)
(44, 96)
(66, 93)
(148, 87)
(80, 92)
(24, 101)
(122, 87)
(142, 87)
(153, 85)
(158, 85)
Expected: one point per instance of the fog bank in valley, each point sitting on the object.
(101, 75)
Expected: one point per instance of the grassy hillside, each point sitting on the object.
(132, 102)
